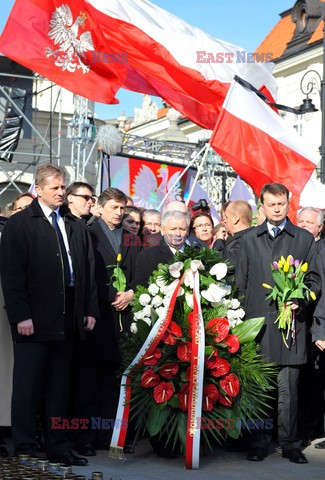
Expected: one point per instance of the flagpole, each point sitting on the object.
(198, 173)
(182, 174)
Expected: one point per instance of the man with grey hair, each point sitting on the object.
(312, 219)
(174, 230)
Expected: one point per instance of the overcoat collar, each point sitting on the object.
(289, 228)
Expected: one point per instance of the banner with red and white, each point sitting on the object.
(259, 145)
(93, 47)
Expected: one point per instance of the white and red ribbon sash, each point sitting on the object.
(193, 434)
(123, 409)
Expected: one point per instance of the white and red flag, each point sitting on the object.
(92, 47)
(259, 145)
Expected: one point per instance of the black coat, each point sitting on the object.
(148, 261)
(32, 274)
(318, 326)
(104, 341)
(229, 249)
(258, 250)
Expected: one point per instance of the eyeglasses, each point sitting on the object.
(203, 225)
(86, 197)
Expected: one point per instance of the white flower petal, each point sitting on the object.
(197, 265)
(133, 328)
(147, 320)
(153, 289)
(175, 269)
(144, 299)
(235, 303)
(189, 299)
(219, 270)
(188, 279)
(156, 301)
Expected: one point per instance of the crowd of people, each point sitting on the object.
(58, 253)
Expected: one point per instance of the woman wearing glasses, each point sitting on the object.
(202, 226)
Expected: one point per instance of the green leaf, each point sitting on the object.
(143, 330)
(156, 418)
(120, 280)
(247, 330)
(279, 279)
(173, 402)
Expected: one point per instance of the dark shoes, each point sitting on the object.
(295, 456)
(256, 455)
(320, 444)
(86, 450)
(68, 458)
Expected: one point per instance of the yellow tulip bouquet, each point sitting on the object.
(288, 276)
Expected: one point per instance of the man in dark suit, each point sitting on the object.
(50, 297)
(259, 248)
(174, 229)
(97, 391)
(237, 218)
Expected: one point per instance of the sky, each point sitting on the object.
(243, 23)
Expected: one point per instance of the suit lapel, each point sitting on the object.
(104, 242)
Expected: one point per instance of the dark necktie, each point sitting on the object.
(67, 274)
(276, 230)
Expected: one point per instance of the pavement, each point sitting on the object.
(217, 465)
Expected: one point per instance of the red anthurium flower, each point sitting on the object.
(183, 397)
(168, 370)
(173, 332)
(210, 396)
(220, 368)
(153, 358)
(220, 326)
(226, 401)
(211, 391)
(149, 379)
(230, 384)
(211, 360)
(233, 343)
(163, 392)
(184, 351)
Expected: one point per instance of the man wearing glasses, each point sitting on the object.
(79, 199)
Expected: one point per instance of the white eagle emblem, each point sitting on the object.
(64, 31)
(147, 192)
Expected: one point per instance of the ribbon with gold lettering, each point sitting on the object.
(123, 409)
(193, 434)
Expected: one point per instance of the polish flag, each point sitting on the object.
(26, 40)
(154, 52)
(259, 145)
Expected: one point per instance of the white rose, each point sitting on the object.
(133, 328)
(240, 313)
(156, 301)
(160, 310)
(147, 311)
(231, 314)
(138, 315)
(153, 289)
(144, 299)
(235, 303)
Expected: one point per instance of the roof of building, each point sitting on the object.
(298, 29)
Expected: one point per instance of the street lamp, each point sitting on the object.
(308, 105)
